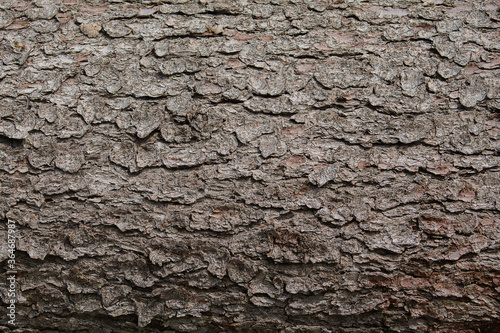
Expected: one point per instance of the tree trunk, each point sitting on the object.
(250, 166)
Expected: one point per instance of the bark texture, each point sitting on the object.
(252, 166)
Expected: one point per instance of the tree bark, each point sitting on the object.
(250, 166)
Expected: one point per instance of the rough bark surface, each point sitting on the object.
(252, 166)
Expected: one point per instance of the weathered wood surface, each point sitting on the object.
(252, 166)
